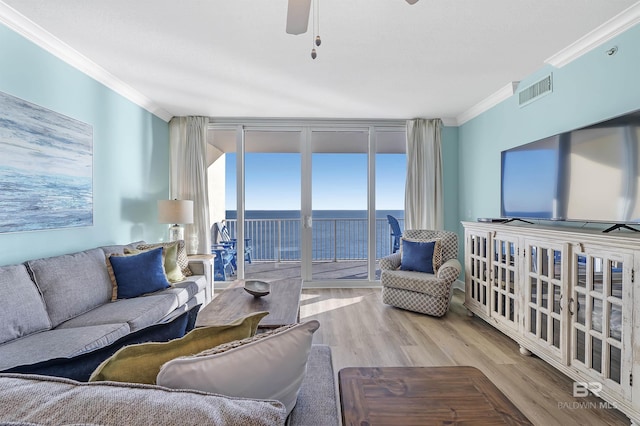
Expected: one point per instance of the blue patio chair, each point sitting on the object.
(223, 237)
(224, 262)
(396, 233)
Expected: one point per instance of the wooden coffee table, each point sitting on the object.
(283, 304)
(423, 396)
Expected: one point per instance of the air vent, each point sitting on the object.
(535, 91)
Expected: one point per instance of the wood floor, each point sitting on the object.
(363, 332)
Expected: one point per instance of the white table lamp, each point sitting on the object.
(176, 212)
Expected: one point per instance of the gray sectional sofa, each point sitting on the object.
(61, 306)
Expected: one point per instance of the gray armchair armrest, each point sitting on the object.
(391, 262)
(449, 270)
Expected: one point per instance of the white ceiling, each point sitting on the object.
(379, 59)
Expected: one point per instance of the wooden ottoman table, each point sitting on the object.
(423, 396)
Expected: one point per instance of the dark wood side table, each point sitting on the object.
(423, 396)
(282, 303)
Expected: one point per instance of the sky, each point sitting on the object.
(339, 181)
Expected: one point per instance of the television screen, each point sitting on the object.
(590, 174)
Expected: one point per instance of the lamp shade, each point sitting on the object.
(175, 211)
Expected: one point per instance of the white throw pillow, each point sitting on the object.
(269, 365)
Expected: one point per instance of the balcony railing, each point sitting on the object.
(278, 240)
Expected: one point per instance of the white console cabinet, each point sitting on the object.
(564, 294)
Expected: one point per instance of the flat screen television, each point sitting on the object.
(591, 174)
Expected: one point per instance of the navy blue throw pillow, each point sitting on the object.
(417, 256)
(139, 274)
(81, 366)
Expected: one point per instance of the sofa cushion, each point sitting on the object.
(138, 312)
(139, 274)
(58, 343)
(185, 290)
(317, 402)
(183, 260)
(141, 363)
(48, 400)
(23, 311)
(72, 284)
(269, 365)
(415, 281)
(81, 366)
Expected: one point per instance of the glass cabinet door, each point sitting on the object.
(477, 270)
(543, 315)
(600, 301)
(504, 264)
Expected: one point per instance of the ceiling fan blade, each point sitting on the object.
(412, 1)
(298, 16)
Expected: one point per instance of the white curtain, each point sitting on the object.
(188, 171)
(423, 207)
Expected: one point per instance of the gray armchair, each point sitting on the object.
(419, 291)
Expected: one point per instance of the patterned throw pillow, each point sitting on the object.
(420, 255)
(183, 260)
(270, 365)
(170, 260)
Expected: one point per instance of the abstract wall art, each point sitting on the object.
(46, 168)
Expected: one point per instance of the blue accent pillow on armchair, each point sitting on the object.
(139, 274)
(417, 256)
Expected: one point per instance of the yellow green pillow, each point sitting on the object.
(141, 363)
(170, 260)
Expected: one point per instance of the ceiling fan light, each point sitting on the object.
(318, 41)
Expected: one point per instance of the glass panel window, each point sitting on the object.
(596, 354)
(615, 356)
(557, 264)
(534, 320)
(582, 271)
(556, 333)
(616, 279)
(581, 308)
(580, 346)
(543, 326)
(597, 274)
(596, 315)
(545, 294)
(556, 299)
(615, 322)
(545, 262)
(534, 290)
(534, 265)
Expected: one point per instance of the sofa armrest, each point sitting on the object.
(391, 262)
(449, 270)
(202, 264)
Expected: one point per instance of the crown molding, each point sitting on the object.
(39, 36)
(605, 32)
(487, 103)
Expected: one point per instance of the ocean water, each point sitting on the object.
(32, 201)
(337, 234)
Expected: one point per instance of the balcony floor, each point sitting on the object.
(331, 271)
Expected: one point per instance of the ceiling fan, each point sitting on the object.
(298, 15)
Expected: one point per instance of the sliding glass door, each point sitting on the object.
(309, 200)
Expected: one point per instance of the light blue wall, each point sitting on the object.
(590, 89)
(449, 140)
(130, 153)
